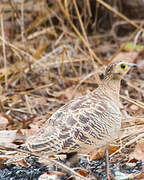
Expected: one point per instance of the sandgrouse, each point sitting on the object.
(86, 123)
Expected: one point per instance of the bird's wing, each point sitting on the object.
(74, 126)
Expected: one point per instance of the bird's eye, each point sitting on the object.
(123, 66)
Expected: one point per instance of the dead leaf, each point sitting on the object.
(20, 137)
(139, 175)
(101, 153)
(83, 173)
(126, 56)
(7, 137)
(5, 121)
(134, 108)
(1, 163)
(37, 101)
(138, 152)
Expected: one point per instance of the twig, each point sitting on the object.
(128, 143)
(77, 32)
(134, 101)
(86, 77)
(26, 92)
(39, 156)
(4, 48)
(120, 15)
(22, 21)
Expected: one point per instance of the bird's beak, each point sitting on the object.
(132, 64)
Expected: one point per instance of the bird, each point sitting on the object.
(86, 123)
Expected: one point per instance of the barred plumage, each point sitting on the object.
(85, 123)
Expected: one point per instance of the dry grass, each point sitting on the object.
(48, 50)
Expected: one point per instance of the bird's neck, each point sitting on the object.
(110, 87)
(112, 83)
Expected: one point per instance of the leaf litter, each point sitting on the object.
(47, 57)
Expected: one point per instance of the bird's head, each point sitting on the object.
(117, 70)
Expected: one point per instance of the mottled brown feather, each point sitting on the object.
(84, 123)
